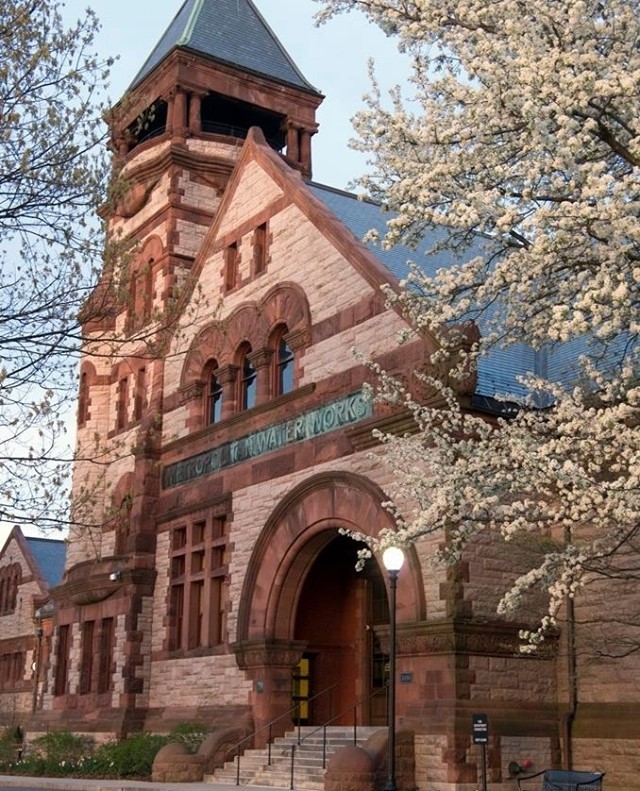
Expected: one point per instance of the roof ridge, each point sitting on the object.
(280, 45)
(183, 41)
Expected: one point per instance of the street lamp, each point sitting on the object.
(392, 558)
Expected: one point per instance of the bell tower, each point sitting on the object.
(217, 71)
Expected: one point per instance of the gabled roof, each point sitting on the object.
(498, 371)
(49, 554)
(231, 31)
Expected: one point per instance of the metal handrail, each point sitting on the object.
(270, 724)
(324, 726)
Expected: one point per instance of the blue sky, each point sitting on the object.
(333, 58)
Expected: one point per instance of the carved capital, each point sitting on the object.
(226, 374)
(192, 392)
(261, 358)
(298, 339)
(268, 653)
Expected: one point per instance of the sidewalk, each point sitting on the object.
(89, 784)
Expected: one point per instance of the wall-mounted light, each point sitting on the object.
(115, 576)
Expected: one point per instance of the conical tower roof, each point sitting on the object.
(230, 31)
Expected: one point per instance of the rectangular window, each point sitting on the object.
(105, 677)
(141, 394)
(62, 660)
(260, 249)
(196, 613)
(198, 595)
(218, 615)
(121, 403)
(18, 664)
(231, 266)
(176, 615)
(86, 662)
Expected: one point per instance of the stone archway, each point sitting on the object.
(295, 535)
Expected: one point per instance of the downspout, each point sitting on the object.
(36, 667)
(572, 681)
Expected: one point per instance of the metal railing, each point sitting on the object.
(269, 727)
(241, 132)
(360, 703)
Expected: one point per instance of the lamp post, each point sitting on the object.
(392, 558)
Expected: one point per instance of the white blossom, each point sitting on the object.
(519, 128)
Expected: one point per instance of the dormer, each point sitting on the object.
(217, 71)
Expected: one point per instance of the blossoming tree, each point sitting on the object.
(520, 129)
(53, 175)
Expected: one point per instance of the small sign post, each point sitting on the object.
(480, 730)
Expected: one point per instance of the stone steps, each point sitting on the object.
(255, 769)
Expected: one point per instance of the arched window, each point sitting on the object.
(248, 380)
(213, 395)
(122, 519)
(83, 400)
(10, 579)
(15, 578)
(140, 296)
(284, 367)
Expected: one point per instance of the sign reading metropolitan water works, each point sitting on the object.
(322, 420)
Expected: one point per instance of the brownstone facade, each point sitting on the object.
(240, 445)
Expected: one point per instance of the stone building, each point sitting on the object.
(29, 567)
(214, 585)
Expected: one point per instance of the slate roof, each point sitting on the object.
(498, 372)
(231, 31)
(49, 555)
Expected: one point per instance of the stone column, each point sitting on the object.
(179, 116)
(195, 112)
(305, 152)
(261, 360)
(293, 143)
(169, 98)
(227, 376)
(269, 664)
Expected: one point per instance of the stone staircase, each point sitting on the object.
(255, 769)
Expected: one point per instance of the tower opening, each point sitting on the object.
(152, 122)
(225, 116)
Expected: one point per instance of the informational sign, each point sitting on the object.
(480, 726)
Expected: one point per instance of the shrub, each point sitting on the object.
(10, 743)
(63, 754)
(132, 757)
(61, 745)
(190, 734)
(58, 753)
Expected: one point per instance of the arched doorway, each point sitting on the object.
(300, 560)
(342, 665)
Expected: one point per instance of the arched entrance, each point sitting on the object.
(303, 598)
(342, 664)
